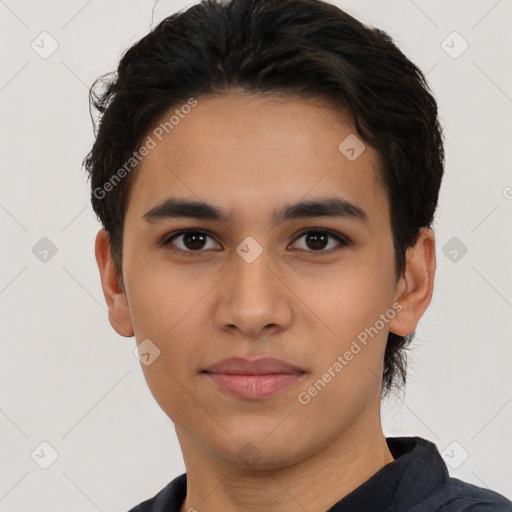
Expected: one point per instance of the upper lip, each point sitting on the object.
(260, 366)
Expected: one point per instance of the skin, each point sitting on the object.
(251, 154)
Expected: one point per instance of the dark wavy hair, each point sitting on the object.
(308, 48)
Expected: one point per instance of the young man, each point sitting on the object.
(267, 172)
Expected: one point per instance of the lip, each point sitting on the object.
(254, 379)
(261, 366)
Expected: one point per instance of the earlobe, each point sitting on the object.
(416, 285)
(118, 311)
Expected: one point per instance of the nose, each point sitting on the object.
(254, 298)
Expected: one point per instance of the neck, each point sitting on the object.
(315, 483)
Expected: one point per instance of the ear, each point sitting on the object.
(415, 286)
(118, 311)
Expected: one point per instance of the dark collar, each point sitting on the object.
(415, 474)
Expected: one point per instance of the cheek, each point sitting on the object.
(173, 326)
(162, 295)
(350, 302)
(166, 308)
(351, 298)
(349, 360)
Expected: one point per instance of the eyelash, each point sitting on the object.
(343, 241)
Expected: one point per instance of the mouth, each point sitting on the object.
(253, 380)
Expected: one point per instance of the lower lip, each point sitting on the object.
(254, 387)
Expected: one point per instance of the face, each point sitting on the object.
(250, 284)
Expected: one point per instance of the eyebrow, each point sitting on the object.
(173, 208)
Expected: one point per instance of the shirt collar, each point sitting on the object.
(416, 472)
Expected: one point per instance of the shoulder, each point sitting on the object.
(426, 485)
(460, 496)
(169, 499)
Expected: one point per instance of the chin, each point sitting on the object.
(261, 454)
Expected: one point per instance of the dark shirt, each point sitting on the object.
(416, 481)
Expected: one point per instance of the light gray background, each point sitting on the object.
(68, 379)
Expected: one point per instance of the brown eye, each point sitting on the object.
(316, 240)
(194, 240)
(189, 240)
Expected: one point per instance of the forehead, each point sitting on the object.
(249, 154)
